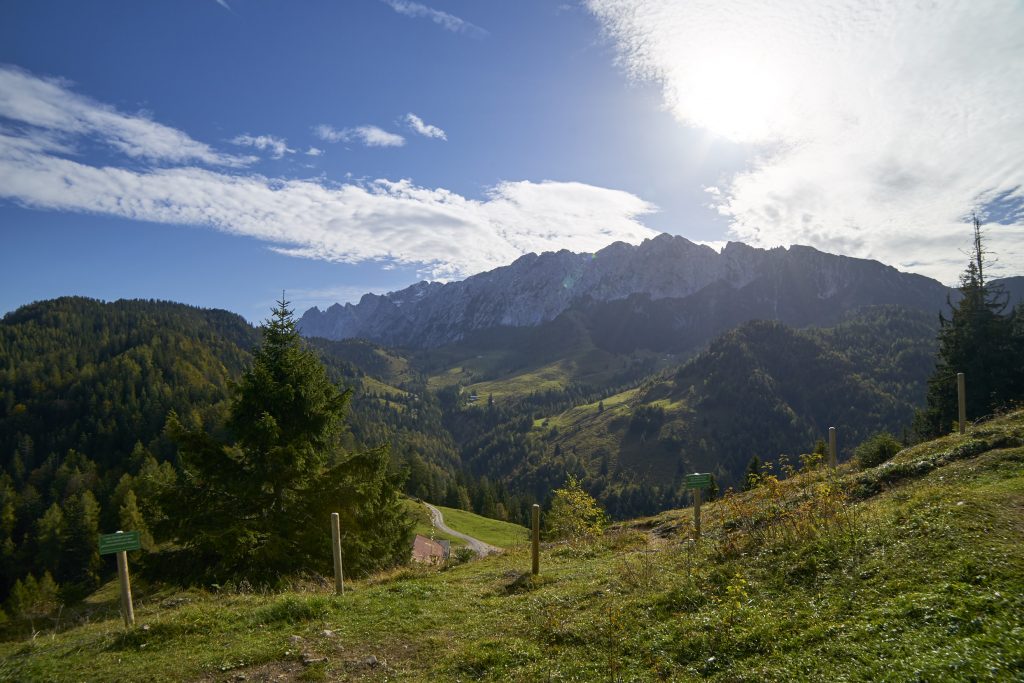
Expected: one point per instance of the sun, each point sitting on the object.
(736, 94)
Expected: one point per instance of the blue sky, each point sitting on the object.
(219, 152)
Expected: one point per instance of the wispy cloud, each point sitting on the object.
(876, 126)
(447, 21)
(277, 147)
(442, 233)
(424, 129)
(314, 152)
(224, 4)
(51, 108)
(371, 136)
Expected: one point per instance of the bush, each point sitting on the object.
(878, 448)
(462, 555)
(574, 513)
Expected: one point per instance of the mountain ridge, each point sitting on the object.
(537, 288)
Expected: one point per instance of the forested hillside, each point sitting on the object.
(761, 390)
(491, 424)
(78, 373)
(87, 387)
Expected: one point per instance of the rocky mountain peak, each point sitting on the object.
(536, 288)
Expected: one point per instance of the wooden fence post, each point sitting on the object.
(833, 456)
(961, 399)
(339, 579)
(126, 589)
(536, 539)
(697, 495)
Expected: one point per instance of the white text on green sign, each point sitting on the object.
(119, 542)
(698, 481)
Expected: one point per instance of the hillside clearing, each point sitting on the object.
(913, 570)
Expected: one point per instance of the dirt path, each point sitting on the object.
(479, 547)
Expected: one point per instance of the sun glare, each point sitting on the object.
(735, 95)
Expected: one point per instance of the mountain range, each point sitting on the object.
(699, 292)
(627, 368)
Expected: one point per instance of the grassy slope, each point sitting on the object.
(484, 375)
(911, 571)
(605, 435)
(491, 531)
(424, 527)
(510, 363)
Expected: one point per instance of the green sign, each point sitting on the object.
(121, 541)
(698, 481)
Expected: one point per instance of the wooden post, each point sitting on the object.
(961, 399)
(536, 539)
(832, 454)
(697, 493)
(127, 609)
(339, 579)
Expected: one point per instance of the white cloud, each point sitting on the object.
(717, 245)
(877, 126)
(442, 233)
(329, 133)
(449, 235)
(52, 109)
(277, 147)
(424, 129)
(314, 152)
(447, 21)
(371, 136)
(303, 299)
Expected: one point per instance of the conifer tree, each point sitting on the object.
(32, 599)
(979, 341)
(131, 519)
(21, 595)
(258, 508)
(8, 500)
(752, 477)
(80, 562)
(50, 538)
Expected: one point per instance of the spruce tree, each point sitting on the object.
(258, 507)
(752, 477)
(50, 539)
(978, 340)
(131, 519)
(80, 561)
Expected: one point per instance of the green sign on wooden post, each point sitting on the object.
(122, 541)
(698, 481)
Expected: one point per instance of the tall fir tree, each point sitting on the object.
(980, 341)
(50, 539)
(752, 477)
(258, 508)
(80, 562)
(131, 519)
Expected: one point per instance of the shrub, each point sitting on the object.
(877, 449)
(574, 513)
(462, 555)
